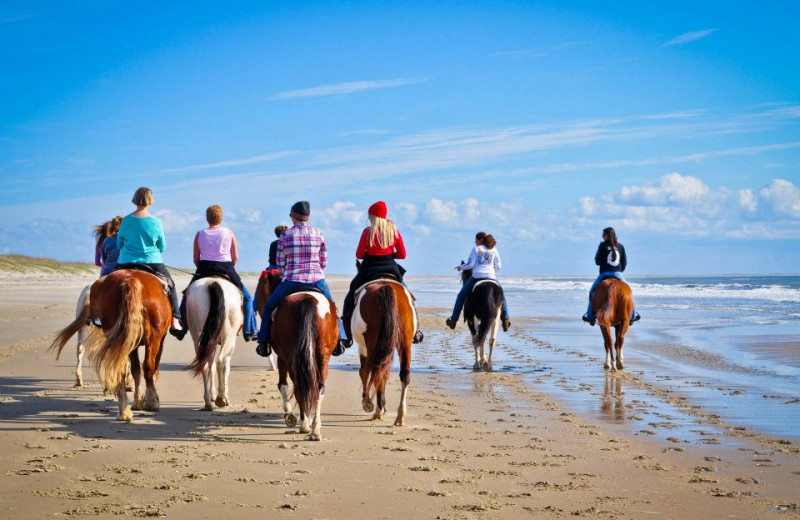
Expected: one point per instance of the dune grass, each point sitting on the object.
(31, 265)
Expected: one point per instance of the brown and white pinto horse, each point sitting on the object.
(78, 326)
(482, 308)
(612, 302)
(134, 311)
(383, 322)
(304, 333)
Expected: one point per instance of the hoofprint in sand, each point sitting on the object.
(475, 445)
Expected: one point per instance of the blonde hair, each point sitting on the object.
(143, 197)
(214, 214)
(381, 231)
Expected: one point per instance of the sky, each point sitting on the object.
(677, 123)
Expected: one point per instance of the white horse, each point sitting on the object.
(214, 316)
(82, 313)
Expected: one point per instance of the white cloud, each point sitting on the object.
(783, 196)
(346, 88)
(689, 37)
(178, 221)
(673, 187)
(686, 205)
(441, 212)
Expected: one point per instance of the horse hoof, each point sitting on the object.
(78, 384)
(378, 416)
(399, 421)
(152, 405)
(305, 429)
(207, 408)
(368, 406)
(221, 402)
(620, 367)
(290, 419)
(315, 437)
(125, 415)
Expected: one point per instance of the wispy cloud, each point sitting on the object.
(231, 163)
(689, 37)
(350, 87)
(537, 52)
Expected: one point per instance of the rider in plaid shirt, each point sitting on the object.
(301, 258)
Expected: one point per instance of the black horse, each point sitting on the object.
(482, 308)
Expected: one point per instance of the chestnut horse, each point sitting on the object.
(259, 300)
(383, 322)
(482, 308)
(134, 310)
(612, 302)
(304, 332)
(214, 317)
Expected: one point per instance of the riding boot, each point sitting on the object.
(263, 349)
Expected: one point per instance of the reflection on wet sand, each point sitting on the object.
(613, 405)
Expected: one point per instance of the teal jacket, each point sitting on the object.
(140, 240)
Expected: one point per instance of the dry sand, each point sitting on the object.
(476, 445)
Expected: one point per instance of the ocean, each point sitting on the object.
(725, 347)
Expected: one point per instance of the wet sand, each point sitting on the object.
(549, 434)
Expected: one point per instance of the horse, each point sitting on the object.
(303, 335)
(214, 317)
(259, 300)
(79, 326)
(612, 302)
(482, 308)
(134, 310)
(383, 322)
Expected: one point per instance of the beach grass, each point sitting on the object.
(21, 264)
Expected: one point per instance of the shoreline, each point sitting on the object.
(506, 444)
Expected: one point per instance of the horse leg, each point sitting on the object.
(304, 427)
(224, 371)
(283, 386)
(366, 400)
(478, 354)
(80, 352)
(271, 362)
(609, 362)
(135, 369)
(151, 354)
(208, 384)
(380, 402)
(125, 413)
(620, 333)
(405, 380)
(316, 425)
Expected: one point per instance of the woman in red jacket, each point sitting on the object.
(380, 245)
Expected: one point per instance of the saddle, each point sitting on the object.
(165, 282)
(383, 278)
(213, 275)
(310, 288)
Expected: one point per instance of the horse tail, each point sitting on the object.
(304, 362)
(212, 329)
(613, 297)
(110, 358)
(489, 311)
(390, 338)
(70, 330)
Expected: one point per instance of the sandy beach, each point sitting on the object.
(476, 445)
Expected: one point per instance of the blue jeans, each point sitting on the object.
(602, 276)
(278, 294)
(462, 295)
(249, 326)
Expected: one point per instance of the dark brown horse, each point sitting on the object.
(612, 303)
(482, 308)
(304, 332)
(260, 299)
(134, 310)
(384, 321)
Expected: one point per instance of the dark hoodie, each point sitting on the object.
(610, 259)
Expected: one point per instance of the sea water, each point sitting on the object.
(731, 344)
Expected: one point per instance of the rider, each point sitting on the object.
(141, 241)
(611, 258)
(109, 252)
(484, 260)
(380, 245)
(273, 247)
(301, 257)
(216, 252)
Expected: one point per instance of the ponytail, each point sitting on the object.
(489, 241)
(612, 241)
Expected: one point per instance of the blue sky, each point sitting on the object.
(539, 122)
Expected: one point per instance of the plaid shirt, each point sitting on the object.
(302, 254)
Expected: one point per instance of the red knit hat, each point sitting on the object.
(378, 209)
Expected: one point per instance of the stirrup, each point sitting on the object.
(636, 317)
(263, 349)
(450, 322)
(506, 325)
(587, 320)
(418, 337)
